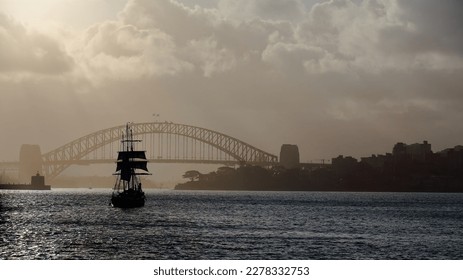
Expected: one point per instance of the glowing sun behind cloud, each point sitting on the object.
(68, 12)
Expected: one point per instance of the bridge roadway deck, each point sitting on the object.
(15, 165)
(112, 161)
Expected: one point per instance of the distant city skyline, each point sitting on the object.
(333, 77)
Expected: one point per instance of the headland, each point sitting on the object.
(409, 168)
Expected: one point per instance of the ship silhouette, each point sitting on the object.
(131, 163)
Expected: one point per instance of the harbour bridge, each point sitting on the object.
(164, 142)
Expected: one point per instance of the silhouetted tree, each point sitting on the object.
(192, 175)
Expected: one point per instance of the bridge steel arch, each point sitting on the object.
(57, 160)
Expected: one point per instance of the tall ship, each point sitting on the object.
(131, 163)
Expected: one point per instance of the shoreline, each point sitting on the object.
(24, 187)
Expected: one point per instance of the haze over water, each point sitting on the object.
(79, 224)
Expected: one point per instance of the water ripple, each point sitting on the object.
(79, 224)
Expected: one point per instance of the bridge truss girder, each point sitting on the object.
(74, 152)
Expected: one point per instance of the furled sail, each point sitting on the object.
(128, 161)
(131, 154)
(132, 164)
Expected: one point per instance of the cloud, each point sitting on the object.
(113, 50)
(26, 51)
(210, 58)
(368, 72)
(171, 17)
(155, 38)
(432, 26)
(385, 35)
(271, 10)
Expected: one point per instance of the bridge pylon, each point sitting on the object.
(30, 162)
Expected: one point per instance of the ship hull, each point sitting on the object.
(128, 199)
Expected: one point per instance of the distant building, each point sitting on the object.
(415, 151)
(343, 165)
(38, 180)
(400, 149)
(289, 156)
(449, 151)
(453, 158)
(342, 161)
(376, 161)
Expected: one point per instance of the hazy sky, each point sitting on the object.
(334, 77)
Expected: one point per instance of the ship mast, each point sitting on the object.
(128, 161)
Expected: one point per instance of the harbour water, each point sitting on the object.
(79, 224)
